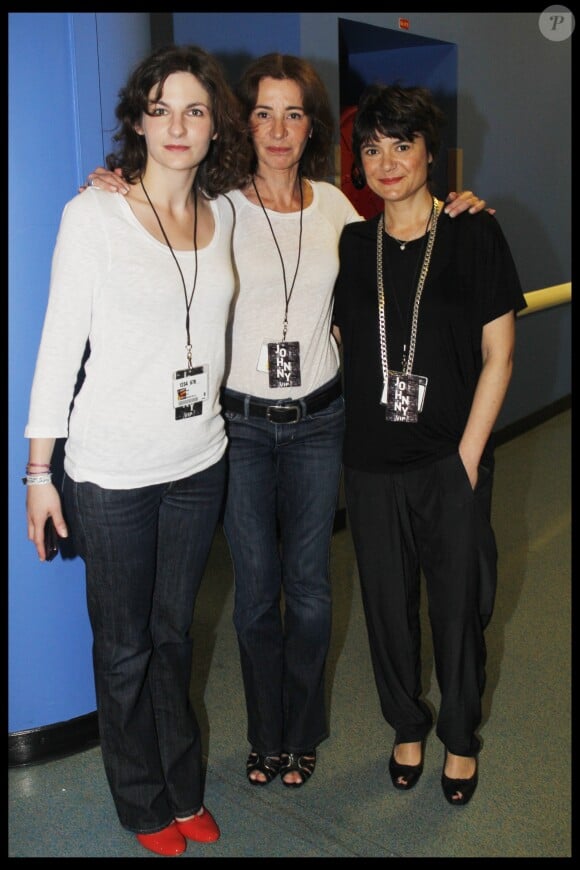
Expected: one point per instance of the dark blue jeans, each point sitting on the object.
(282, 493)
(145, 551)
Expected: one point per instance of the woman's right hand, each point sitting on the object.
(106, 179)
(42, 502)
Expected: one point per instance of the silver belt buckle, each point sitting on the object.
(273, 408)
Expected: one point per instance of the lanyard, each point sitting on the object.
(187, 302)
(287, 294)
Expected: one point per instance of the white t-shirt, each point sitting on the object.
(117, 286)
(259, 302)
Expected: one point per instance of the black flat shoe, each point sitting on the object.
(303, 764)
(459, 791)
(410, 773)
(269, 765)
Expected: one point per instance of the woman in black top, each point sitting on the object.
(425, 309)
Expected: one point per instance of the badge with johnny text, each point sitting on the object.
(403, 396)
(284, 363)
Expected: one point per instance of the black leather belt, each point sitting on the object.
(284, 412)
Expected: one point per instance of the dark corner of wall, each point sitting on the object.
(161, 28)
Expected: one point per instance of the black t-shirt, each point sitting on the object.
(471, 281)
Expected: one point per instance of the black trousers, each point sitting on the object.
(426, 520)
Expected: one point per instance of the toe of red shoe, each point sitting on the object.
(168, 841)
(201, 829)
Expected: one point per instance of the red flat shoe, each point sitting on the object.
(167, 841)
(201, 829)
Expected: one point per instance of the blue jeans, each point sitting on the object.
(281, 500)
(145, 551)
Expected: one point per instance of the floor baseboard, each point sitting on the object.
(52, 741)
(519, 427)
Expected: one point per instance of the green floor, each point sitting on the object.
(522, 807)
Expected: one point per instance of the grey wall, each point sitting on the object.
(514, 129)
(514, 125)
(514, 121)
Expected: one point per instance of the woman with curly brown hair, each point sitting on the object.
(145, 282)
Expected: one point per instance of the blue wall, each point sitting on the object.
(237, 38)
(64, 73)
(248, 34)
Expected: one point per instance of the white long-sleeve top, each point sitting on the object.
(258, 309)
(115, 285)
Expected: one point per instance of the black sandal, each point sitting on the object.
(459, 791)
(405, 776)
(303, 764)
(269, 765)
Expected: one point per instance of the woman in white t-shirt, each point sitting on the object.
(144, 283)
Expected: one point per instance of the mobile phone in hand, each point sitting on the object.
(50, 540)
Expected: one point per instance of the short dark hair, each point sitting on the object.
(227, 160)
(317, 160)
(399, 113)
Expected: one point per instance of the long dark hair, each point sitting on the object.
(316, 161)
(228, 158)
(398, 113)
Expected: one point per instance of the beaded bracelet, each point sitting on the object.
(37, 479)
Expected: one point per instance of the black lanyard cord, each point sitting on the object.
(287, 295)
(187, 302)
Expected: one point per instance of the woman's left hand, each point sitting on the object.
(106, 179)
(464, 201)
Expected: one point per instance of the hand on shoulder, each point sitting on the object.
(456, 203)
(106, 179)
